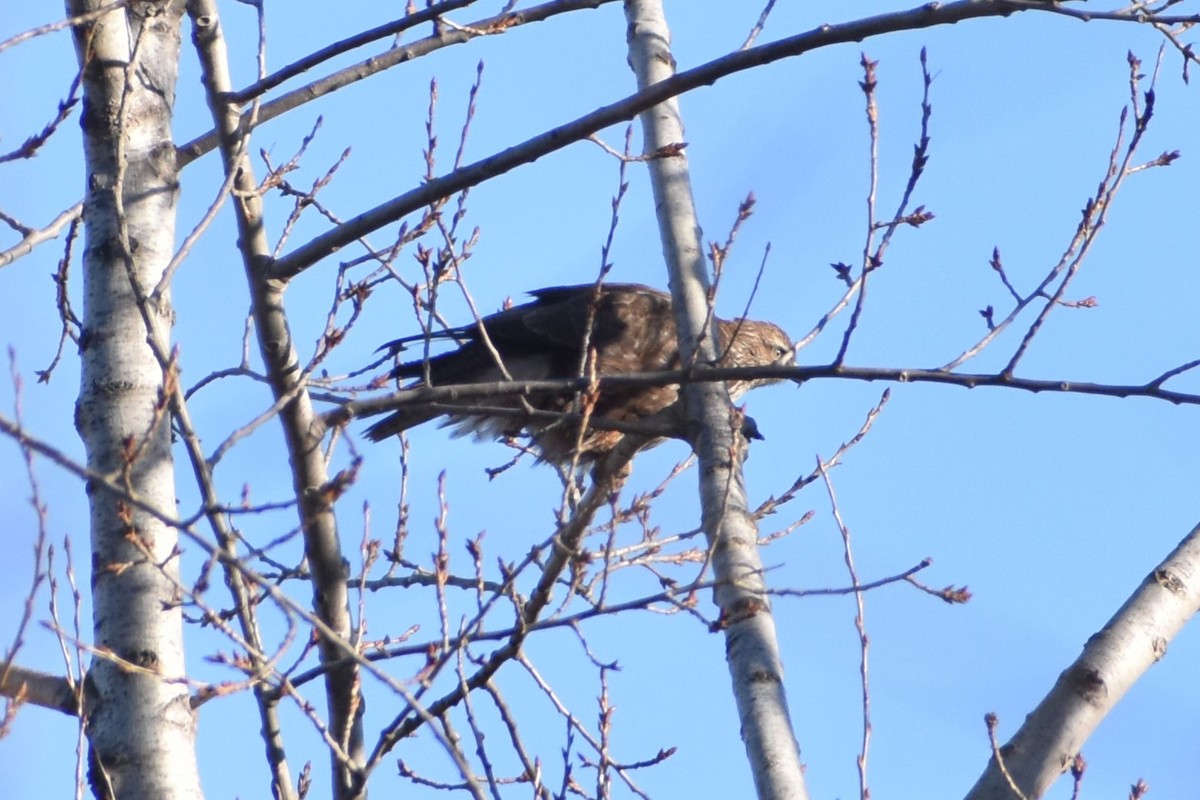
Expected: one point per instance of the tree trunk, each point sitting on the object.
(140, 723)
(1131, 642)
(751, 646)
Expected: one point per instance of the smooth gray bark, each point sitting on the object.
(302, 428)
(751, 646)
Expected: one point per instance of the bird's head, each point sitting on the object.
(754, 344)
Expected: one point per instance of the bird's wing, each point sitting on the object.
(560, 315)
(557, 317)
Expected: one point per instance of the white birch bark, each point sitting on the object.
(1129, 644)
(752, 650)
(140, 724)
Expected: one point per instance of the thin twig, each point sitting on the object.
(860, 625)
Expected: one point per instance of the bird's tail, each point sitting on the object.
(398, 422)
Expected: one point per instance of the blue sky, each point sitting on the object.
(1051, 508)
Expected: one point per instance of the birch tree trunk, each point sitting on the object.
(751, 647)
(140, 723)
(1112, 660)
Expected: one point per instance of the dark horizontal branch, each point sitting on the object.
(461, 394)
(344, 46)
(1153, 389)
(925, 16)
(420, 577)
(929, 15)
(455, 398)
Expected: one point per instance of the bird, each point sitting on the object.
(629, 327)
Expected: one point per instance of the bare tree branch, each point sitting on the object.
(442, 37)
(314, 491)
(929, 15)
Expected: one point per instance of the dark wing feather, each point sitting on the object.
(559, 315)
(544, 338)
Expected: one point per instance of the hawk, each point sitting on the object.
(632, 330)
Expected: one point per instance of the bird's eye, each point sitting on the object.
(780, 352)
